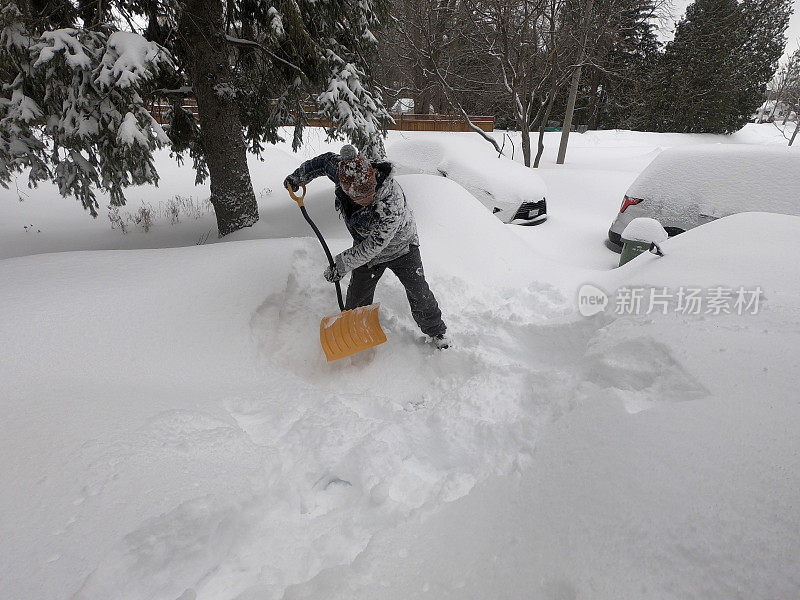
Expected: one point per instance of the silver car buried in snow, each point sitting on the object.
(688, 186)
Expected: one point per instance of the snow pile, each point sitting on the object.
(276, 23)
(644, 229)
(23, 108)
(130, 133)
(66, 41)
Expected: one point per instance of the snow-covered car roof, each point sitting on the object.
(722, 179)
(472, 163)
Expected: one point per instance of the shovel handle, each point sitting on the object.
(299, 200)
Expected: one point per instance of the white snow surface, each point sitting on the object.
(171, 429)
(645, 229)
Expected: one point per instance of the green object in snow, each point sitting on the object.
(631, 249)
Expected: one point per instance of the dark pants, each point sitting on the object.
(408, 269)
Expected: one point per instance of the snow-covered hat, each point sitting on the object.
(356, 174)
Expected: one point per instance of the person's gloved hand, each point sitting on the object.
(292, 182)
(335, 273)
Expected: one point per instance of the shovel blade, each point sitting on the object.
(351, 331)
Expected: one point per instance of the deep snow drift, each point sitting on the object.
(197, 439)
(172, 430)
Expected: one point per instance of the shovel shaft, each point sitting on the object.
(327, 252)
(299, 200)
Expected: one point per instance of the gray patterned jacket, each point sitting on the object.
(382, 231)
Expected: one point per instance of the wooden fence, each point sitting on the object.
(402, 122)
(412, 122)
(160, 107)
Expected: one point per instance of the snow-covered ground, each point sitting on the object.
(171, 429)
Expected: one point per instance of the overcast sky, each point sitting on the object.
(793, 33)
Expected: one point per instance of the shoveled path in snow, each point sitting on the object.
(676, 477)
(336, 453)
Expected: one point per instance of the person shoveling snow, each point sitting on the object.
(384, 233)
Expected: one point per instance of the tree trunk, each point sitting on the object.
(550, 101)
(594, 104)
(526, 141)
(576, 79)
(796, 129)
(540, 144)
(422, 98)
(573, 94)
(221, 135)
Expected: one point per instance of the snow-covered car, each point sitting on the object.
(688, 186)
(513, 192)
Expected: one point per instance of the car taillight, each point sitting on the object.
(628, 201)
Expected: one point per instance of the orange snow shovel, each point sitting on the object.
(349, 331)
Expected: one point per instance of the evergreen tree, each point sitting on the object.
(712, 76)
(250, 65)
(762, 44)
(623, 51)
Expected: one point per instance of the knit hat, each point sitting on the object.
(356, 175)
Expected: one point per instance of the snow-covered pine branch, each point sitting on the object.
(353, 110)
(74, 113)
